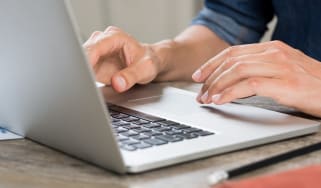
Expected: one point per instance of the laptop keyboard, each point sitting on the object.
(135, 130)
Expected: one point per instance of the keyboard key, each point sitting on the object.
(167, 122)
(129, 133)
(135, 113)
(191, 130)
(130, 119)
(115, 120)
(173, 132)
(130, 142)
(121, 138)
(128, 147)
(140, 137)
(142, 130)
(152, 125)
(142, 145)
(180, 126)
(154, 141)
(169, 138)
(135, 130)
(120, 123)
(119, 116)
(140, 122)
(188, 135)
(132, 126)
(204, 133)
(113, 112)
(121, 129)
(152, 133)
(162, 129)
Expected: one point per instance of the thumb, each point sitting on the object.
(141, 72)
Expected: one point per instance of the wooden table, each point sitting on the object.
(24, 163)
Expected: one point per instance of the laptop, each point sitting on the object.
(48, 94)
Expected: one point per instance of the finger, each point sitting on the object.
(266, 56)
(237, 91)
(94, 35)
(141, 72)
(267, 87)
(92, 38)
(91, 42)
(106, 68)
(109, 42)
(205, 70)
(243, 71)
(270, 56)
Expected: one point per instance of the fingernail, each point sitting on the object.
(197, 75)
(204, 97)
(121, 82)
(216, 98)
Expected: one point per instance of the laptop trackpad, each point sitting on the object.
(154, 98)
(177, 104)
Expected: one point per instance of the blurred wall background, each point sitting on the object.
(146, 20)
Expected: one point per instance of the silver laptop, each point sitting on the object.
(48, 94)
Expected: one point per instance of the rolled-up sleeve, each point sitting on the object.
(236, 21)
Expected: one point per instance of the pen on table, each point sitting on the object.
(219, 176)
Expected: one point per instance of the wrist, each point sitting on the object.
(162, 52)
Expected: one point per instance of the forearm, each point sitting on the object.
(181, 56)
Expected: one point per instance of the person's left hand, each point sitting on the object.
(271, 69)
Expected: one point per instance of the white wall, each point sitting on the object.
(90, 15)
(147, 20)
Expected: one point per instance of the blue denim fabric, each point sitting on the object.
(245, 21)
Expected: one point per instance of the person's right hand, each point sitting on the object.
(119, 60)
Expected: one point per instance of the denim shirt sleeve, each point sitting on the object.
(236, 21)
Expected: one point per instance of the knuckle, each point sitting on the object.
(95, 34)
(230, 61)
(112, 29)
(240, 68)
(92, 39)
(99, 40)
(254, 83)
(230, 51)
(87, 45)
(278, 44)
(281, 55)
(113, 33)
